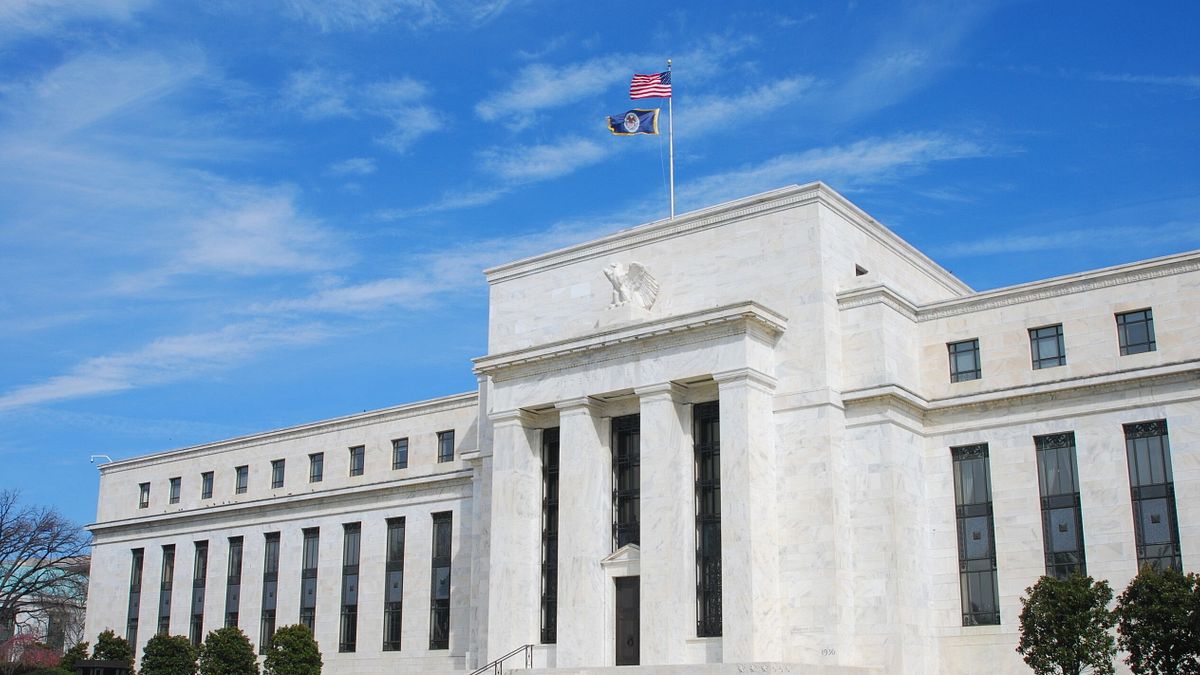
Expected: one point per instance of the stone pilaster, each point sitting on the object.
(749, 548)
(668, 578)
(584, 531)
(515, 552)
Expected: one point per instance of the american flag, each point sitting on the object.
(657, 85)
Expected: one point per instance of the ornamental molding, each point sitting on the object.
(878, 294)
(371, 418)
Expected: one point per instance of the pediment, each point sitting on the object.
(629, 553)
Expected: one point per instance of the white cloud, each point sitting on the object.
(317, 94)
(705, 113)
(354, 166)
(543, 161)
(356, 15)
(1177, 234)
(1187, 81)
(39, 17)
(542, 85)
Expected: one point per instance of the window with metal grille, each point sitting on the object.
(1152, 487)
(976, 536)
(707, 450)
(626, 457)
(308, 578)
(277, 467)
(1046, 347)
(199, 582)
(399, 453)
(1135, 332)
(135, 596)
(241, 479)
(393, 602)
(173, 493)
(1062, 518)
(549, 536)
(439, 606)
(266, 626)
(348, 625)
(143, 495)
(358, 458)
(964, 360)
(316, 467)
(446, 446)
(164, 589)
(206, 484)
(233, 582)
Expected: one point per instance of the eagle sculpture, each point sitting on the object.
(631, 284)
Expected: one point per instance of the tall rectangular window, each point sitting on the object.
(233, 582)
(1155, 521)
(241, 479)
(707, 438)
(1062, 518)
(135, 596)
(393, 601)
(206, 482)
(964, 360)
(626, 457)
(164, 589)
(399, 453)
(266, 629)
(358, 458)
(173, 495)
(1046, 347)
(277, 466)
(348, 625)
(316, 467)
(439, 593)
(549, 536)
(308, 578)
(143, 495)
(446, 446)
(976, 536)
(199, 582)
(1135, 332)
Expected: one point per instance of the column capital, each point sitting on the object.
(583, 404)
(671, 390)
(745, 377)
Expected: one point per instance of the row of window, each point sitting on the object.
(439, 608)
(316, 469)
(1156, 528)
(1135, 334)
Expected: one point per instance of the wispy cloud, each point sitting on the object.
(1186, 81)
(356, 15)
(354, 166)
(704, 113)
(318, 94)
(1175, 234)
(543, 161)
(39, 17)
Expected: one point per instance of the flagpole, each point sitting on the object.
(671, 137)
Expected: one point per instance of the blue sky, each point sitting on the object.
(225, 217)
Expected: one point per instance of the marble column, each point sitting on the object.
(584, 531)
(749, 549)
(668, 577)
(514, 560)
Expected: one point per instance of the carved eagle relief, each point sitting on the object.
(631, 284)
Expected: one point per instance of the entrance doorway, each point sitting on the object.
(628, 614)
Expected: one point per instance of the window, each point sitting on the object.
(206, 482)
(266, 630)
(549, 536)
(164, 589)
(626, 433)
(964, 360)
(199, 582)
(348, 633)
(393, 601)
(233, 582)
(308, 578)
(976, 536)
(1062, 520)
(316, 467)
(1046, 347)
(707, 452)
(400, 453)
(242, 479)
(174, 491)
(357, 459)
(277, 473)
(1135, 332)
(143, 495)
(439, 593)
(1155, 522)
(446, 446)
(135, 596)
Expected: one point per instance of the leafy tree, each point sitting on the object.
(1158, 622)
(227, 651)
(23, 653)
(168, 655)
(293, 651)
(1065, 626)
(113, 647)
(75, 654)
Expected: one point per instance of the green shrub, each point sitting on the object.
(1065, 626)
(113, 647)
(293, 651)
(1158, 622)
(227, 651)
(168, 655)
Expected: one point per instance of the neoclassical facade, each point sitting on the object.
(768, 436)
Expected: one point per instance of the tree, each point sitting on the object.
(113, 647)
(227, 651)
(168, 655)
(293, 651)
(1065, 626)
(74, 655)
(1158, 622)
(23, 654)
(42, 564)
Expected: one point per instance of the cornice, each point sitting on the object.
(877, 294)
(738, 317)
(406, 411)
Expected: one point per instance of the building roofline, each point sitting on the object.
(403, 411)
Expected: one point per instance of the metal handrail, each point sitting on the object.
(497, 667)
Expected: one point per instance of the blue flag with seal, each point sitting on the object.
(636, 121)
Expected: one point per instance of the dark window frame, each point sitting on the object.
(143, 495)
(233, 580)
(399, 453)
(206, 484)
(1152, 493)
(962, 348)
(393, 605)
(1062, 512)
(550, 487)
(270, 599)
(136, 570)
(165, 586)
(976, 563)
(445, 441)
(174, 488)
(626, 480)
(1139, 322)
(199, 585)
(310, 553)
(439, 607)
(351, 556)
(1042, 336)
(707, 473)
(241, 479)
(278, 472)
(316, 467)
(358, 460)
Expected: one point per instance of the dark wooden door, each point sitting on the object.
(628, 620)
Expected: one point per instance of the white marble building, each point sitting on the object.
(729, 442)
